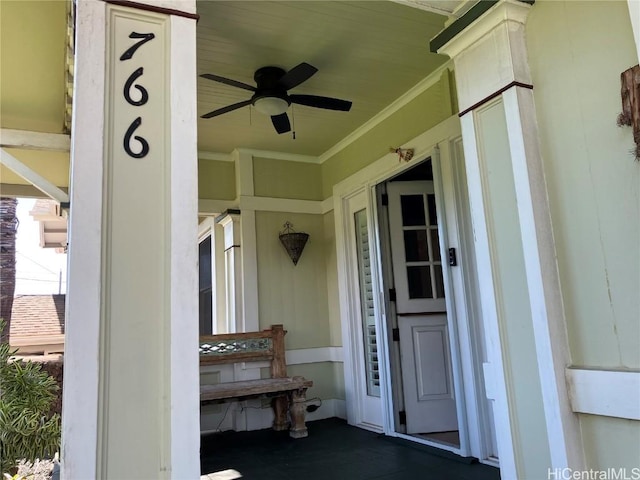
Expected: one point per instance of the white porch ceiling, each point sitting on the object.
(369, 52)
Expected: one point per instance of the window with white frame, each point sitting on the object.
(205, 284)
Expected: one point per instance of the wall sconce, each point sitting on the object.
(405, 154)
(293, 242)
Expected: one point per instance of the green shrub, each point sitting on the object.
(27, 431)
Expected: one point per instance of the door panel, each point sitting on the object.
(429, 399)
(426, 373)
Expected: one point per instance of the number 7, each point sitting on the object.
(146, 37)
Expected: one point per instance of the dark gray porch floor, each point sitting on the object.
(333, 451)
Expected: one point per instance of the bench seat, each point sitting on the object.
(252, 388)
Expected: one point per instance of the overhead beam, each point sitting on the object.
(28, 140)
(37, 180)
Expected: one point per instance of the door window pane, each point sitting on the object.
(419, 281)
(435, 244)
(415, 246)
(205, 288)
(433, 216)
(412, 210)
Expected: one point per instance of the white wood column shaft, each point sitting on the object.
(230, 222)
(130, 405)
(499, 118)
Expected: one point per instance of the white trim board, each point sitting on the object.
(299, 356)
(208, 206)
(610, 393)
(230, 157)
(272, 204)
(25, 139)
(314, 355)
(291, 157)
(265, 204)
(219, 157)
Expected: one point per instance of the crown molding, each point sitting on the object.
(400, 102)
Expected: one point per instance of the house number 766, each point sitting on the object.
(143, 94)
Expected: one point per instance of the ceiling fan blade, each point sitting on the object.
(321, 102)
(228, 81)
(228, 108)
(297, 75)
(281, 123)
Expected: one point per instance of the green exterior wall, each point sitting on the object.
(294, 295)
(593, 180)
(577, 51)
(331, 263)
(610, 442)
(427, 110)
(286, 179)
(327, 377)
(216, 180)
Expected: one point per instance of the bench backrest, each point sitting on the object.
(246, 347)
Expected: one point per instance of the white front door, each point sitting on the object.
(425, 355)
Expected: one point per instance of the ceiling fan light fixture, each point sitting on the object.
(271, 105)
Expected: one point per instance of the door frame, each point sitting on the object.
(352, 333)
(437, 143)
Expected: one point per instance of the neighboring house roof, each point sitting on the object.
(37, 323)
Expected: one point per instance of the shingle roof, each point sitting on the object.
(37, 315)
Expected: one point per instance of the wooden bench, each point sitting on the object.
(288, 393)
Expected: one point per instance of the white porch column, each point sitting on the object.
(520, 295)
(245, 188)
(131, 407)
(230, 222)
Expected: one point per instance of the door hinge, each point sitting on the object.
(453, 259)
(402, 417)
(384, 199)
(392, 294)
(395, 334)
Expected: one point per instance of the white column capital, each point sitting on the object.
(490, 53)
(230, 222)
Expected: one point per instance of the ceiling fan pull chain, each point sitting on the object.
(293, 118)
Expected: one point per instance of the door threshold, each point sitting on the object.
(434, 445)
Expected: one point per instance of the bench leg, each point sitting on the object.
(297, 413)
(280, 406)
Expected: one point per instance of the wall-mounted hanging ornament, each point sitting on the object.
(293, 242)
(630, 92)
(405, 154)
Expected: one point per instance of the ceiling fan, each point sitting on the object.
(271, 95)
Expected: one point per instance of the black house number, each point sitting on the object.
(142, 97)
